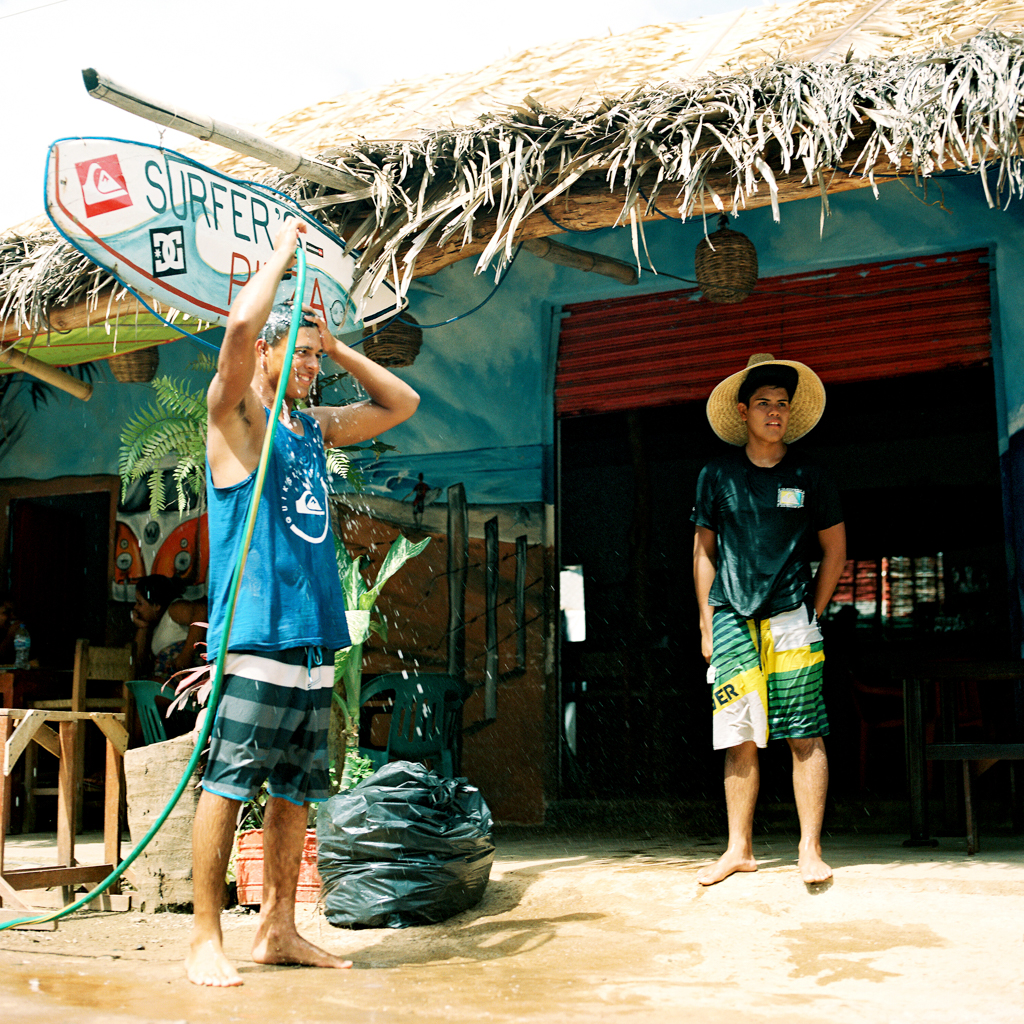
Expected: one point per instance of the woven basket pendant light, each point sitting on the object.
(136, 367)
(397, 345)
(726, 264)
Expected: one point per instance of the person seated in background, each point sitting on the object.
(9, 623)
(168, 628)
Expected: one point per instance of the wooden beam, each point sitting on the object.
(115, 732)
(62, 874)
(48, 740)
(46, 373)
(10, 897)
(579, 259)
(587, 208)
(236, 139)
(66, 716)
(23, 735)
(66, 795)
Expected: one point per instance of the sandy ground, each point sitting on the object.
(584, 928)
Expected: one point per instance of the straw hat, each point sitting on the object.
(808, 401)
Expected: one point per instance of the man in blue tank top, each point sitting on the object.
(290, 615)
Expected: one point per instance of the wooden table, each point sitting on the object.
(915, 680)
(18, 728)
(21, 688)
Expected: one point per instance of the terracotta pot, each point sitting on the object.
(249, 869)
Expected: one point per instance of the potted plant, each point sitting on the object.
(360, 601)
(246, 867)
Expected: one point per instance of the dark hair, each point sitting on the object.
(772, 375)
(279, 321)
(159, 590)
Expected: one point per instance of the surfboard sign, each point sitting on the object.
(190, 237)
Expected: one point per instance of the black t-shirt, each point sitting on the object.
(766, 522)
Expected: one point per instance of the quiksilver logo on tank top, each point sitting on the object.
(305, 510)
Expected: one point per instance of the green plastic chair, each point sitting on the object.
(426, 715)
(145, 692)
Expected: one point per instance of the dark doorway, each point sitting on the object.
(57, 558)
(916, 461)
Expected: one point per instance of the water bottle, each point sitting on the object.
(22, 642)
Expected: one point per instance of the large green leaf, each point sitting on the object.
(400, 553)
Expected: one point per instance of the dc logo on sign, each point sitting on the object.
(168, 245)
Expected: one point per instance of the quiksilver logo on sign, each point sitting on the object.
(103, 185)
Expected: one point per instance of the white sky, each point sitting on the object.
(245, 61)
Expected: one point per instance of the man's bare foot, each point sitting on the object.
(274, 946)
(729, 863)
(206, 964)
(812, 868)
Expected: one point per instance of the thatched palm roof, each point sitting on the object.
(736, 111)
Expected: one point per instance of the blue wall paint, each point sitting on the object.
(69, 437)
(486, 380)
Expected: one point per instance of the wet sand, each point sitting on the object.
(594, 928)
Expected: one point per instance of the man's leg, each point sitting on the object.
(277, 941)
(810, 784)
(212, 836)
(742, 781)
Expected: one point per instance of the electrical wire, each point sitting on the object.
(470, 312)
(218, 678)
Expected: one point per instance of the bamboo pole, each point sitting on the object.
(579, 259)
(236, 139)
(46, 373)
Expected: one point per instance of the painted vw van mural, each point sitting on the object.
(171, 544)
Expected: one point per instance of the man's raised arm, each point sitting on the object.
(237, 361)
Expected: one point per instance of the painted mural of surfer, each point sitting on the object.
(290, 618)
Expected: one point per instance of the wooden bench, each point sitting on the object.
(18, 728)
(919, 752)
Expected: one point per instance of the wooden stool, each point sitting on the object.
(18, 728)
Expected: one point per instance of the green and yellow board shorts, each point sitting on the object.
(765, 678)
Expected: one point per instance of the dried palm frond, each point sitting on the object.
(719, 142)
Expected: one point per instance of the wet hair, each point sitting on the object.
(159, 590)
(279, 322)
(772, 375)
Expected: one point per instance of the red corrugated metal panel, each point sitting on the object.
(856, 323)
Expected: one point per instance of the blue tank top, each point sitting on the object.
(290, 594)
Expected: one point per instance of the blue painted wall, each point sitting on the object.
(486, 380)
(69, 437)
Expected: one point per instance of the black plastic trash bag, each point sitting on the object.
(404, 847)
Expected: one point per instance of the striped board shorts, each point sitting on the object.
(271, 726)
(765, 678)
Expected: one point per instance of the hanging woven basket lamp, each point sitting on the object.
(137, 367)
(397, 345)
(726, 264)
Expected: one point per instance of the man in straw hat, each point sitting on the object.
(762, 511)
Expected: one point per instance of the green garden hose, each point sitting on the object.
(218, 678)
